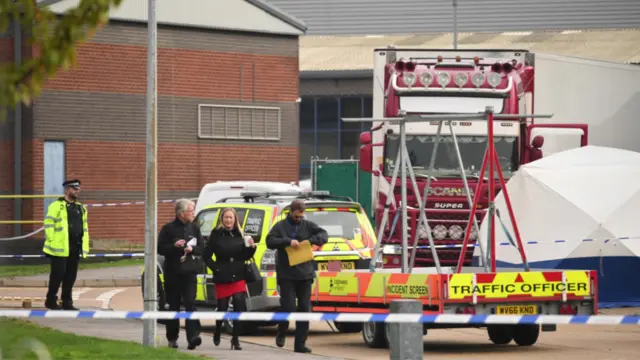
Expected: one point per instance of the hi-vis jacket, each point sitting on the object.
(56, 229)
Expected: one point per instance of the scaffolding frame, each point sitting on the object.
(403, 163)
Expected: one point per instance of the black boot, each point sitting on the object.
(280, 338)
(235, 343)
(52, 304)
(69, 306)
(195, 342)
(302, 349)
(216, 334)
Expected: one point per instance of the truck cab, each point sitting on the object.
(417, 81)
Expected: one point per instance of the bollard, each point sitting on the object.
(405, 339)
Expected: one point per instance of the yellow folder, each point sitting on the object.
(301, 254)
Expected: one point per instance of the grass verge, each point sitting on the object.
(7, 271)
(62, 345)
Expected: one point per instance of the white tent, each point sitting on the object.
(578, 209)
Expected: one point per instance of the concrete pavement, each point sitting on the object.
(123, 276)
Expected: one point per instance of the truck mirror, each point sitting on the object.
(366, 158)
(537, 141)
(365, 138)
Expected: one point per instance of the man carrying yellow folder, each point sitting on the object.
(292, 239)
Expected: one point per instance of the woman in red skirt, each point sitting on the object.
(232, 249)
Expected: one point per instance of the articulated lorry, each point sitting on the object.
(592, 102)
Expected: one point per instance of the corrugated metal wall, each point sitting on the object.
(378, 17)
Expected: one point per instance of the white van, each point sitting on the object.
(213, 192)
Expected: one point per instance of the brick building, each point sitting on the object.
(228, 87)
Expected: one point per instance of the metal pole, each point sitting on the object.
(151, 203)
(385, 214)
(423, 219)
(432, 162)
(492, 192)
(455, 24)
(468, 191)
(17, 134)
(403, 176)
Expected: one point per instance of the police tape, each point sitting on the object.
(453, 246)
(340, 317)
(21, 237)
(132, 203)
(123, 255)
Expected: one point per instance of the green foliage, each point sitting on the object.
(53, 36)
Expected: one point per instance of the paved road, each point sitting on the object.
(569, 342)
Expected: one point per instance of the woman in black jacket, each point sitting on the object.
(232, 249)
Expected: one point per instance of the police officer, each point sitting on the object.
(66, 241)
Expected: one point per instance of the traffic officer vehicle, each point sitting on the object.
(351, 242)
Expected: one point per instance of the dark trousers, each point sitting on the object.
(239, 305)
(64, 270)
(290, 290)
(181, 289)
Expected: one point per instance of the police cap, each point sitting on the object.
(71, 183)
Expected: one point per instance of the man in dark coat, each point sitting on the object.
(295, 281)
(180, 242)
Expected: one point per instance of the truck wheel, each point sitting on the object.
(374, 335)
(526, 335)
(500, 334)
(348, 327)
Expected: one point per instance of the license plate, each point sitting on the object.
(517, 310)
(344, 265)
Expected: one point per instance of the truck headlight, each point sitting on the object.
(494, 79)
(391, 250)
(409, 78)
(456, 232)
(440, 232)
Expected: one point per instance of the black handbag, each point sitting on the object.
(190, 264)
(252, 272)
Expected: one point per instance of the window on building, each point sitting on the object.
(351, 107)
(324, 134)
(238, 122)
(328, 113)
(328, 145)
(368, 106)
(307, 113)
(307, 146)
(350, 131)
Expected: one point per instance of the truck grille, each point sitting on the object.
(447, 228)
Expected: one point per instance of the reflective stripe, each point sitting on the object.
(85, 230)
(56, 250)
(49, 226)
(53, 218)
(58, 229)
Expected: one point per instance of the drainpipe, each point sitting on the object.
(17, 133)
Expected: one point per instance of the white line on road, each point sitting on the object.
(78, 292)
(107, 296)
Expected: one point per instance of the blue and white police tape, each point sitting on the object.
(123, 255)
(342, 317)
(390, 247)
